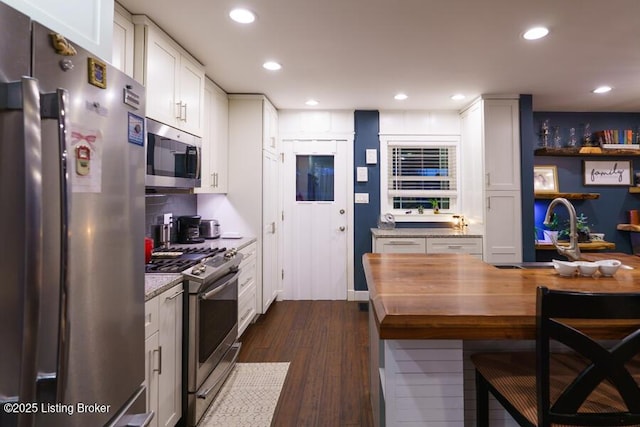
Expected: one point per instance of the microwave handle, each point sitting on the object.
(198, 160)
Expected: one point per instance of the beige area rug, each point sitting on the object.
(248, 397)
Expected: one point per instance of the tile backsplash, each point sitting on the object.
(156, 205)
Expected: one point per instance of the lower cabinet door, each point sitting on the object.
(151, 369)
(170, 344)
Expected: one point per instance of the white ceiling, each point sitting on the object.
(356, 54)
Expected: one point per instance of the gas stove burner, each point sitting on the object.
(188, 257)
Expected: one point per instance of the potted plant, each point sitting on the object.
(582, 228)
(420, 209)
(434, 206)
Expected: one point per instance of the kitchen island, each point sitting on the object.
(428, 313)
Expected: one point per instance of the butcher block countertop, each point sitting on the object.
(457, 296)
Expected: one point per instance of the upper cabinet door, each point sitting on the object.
(71, 19)
(191, 96)
(123, 31)
(173, 78)
(502, 144)
(163, 69)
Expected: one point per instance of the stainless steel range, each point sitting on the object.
(211, 330)
(178, 259)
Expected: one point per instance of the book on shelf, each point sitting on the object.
(616, 139)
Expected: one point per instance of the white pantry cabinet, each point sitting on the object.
(163, 361)
(491, 131)
(247, 287)
(215, 140)
(123, 33)
(173, 78)
(254, 186)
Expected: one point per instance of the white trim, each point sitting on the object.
(418, 140)
(353, 295)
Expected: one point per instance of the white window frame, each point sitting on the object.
(427, 141)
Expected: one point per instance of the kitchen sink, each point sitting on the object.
(524, 265)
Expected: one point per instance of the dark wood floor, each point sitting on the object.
(327, 345)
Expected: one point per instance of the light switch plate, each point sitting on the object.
(362, 174)
(372, 156)
(362, 197)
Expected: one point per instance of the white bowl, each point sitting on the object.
(608, 267)
(565, 268)
(586, 268)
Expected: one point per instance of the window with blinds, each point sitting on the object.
(420, 175)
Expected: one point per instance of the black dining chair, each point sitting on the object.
(583, 381)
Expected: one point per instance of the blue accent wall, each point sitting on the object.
(527, 140)
(610, 209)
(367, 128)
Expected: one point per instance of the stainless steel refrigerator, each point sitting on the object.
(71, 234)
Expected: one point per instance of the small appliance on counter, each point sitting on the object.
(209, 229)
(161, 234)
(189, 229)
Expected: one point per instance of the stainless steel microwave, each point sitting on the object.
(173, 157)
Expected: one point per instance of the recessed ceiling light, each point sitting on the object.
(602, 89)
(536, 33)
(242, 16)
(271, 66)
(400, 97)
(311, 103)
(458, 97)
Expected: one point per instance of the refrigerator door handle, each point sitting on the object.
(54, 106)
(25, 95)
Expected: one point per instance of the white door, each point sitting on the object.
(315, 220)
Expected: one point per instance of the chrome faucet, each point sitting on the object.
(573, 251)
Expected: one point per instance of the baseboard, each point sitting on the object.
(357, 295)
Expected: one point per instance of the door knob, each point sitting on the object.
(342, 228)
(341, 211)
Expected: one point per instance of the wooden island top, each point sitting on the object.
(454, 296)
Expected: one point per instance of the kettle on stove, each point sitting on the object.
(189, 229)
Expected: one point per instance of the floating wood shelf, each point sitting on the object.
(634, 189)
(587, 246)
(629, 227)
(577, 152)
(574, 196)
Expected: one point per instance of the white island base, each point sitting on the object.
(429, 383)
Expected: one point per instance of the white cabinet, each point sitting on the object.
(428, 245)
(123, 31)
(254, 186)
(247, 287)
(163, 362)
(88, 23)
(173, 78)
(455, 245)
(400, 245)
(270, 128)
(215, 140)
(491, 131)
(501, 144)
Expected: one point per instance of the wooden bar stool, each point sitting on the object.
(588, 384)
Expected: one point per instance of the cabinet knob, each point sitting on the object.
(342, 228)
(342, 211)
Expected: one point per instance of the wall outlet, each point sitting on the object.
(167, 218)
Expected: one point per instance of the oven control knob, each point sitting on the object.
(198, 270)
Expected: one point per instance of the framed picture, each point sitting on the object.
(607, 172)
(545, 179)
(97, 73)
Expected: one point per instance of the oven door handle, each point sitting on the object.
(212, 293)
